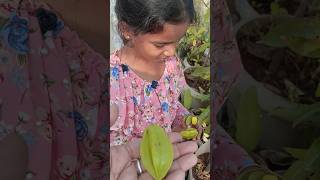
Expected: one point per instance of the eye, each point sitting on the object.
(159, 45)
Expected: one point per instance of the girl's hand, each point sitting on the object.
(122, 157)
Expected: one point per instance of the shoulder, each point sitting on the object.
(115, 67)
(114, 59)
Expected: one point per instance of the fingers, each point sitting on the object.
(129, 173)
(184, 163)
(176, 175)
(183, 148)
(145, 176)
(133, 148)
(175, 137)
(183, 153)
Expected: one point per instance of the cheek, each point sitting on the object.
(150, 50)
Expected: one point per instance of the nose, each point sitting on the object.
(170, 50)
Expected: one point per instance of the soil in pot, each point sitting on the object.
(275, 67)
(196, 82)
(199, 170)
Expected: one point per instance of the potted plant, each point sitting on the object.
(277, 63)
(280, 55)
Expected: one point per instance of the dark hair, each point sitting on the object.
(149, 16)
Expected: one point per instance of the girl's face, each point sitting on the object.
(157, 46)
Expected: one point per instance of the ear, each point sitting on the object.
(125, 31)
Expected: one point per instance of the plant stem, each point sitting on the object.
(205, 4)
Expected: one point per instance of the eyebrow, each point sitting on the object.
(160, 42)
(163, 42)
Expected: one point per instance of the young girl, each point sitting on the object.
(146, 76)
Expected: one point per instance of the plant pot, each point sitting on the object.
(204, 148)
(197, 100)
(276, 133)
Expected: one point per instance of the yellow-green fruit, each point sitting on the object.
(189, 133)
(188, 119)
(256, 175)
(269, 177)
(156, 152)
(194, 120)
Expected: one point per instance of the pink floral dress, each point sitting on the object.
(141, 103)
(52, 87)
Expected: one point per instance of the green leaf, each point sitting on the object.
(291, 27)
(248, 124)
(296, 153)
(156, 151)
(201, 72)
(204, 114)
(296, 171)
(187, 98)
(256, 175)
(277, 10)
(312, 115)
(245, 175)
(203, 47)
(304, 47)
(293, 90)
(299, 114)
(269, 177)
(202, 97)
(312, 157)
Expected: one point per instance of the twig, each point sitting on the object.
(205, 4)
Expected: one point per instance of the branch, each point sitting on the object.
(205, 3)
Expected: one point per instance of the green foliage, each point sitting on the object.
(276, 10)
(312, 157)
(248, 123)
(301, 35)
(308, 164)
(194, 49)
(296, 172)
(296, 153)
(258, 174)
(195, 45)
(187, 99)
(299, 114)
(201, 72)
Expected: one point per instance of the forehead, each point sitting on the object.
(171, 32)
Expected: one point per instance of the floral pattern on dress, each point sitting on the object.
(141, 103)
(52, 93)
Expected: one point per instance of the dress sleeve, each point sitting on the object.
(115, 97)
